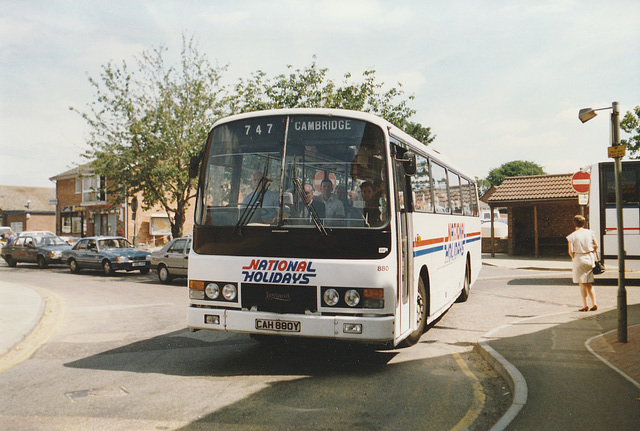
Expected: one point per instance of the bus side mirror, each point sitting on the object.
(194, 164)
(409, 162)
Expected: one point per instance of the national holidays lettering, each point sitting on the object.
(277, 271)
(454, 242)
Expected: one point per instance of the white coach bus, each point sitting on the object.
(602, 210)
(330, 224)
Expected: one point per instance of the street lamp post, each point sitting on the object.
(584, 116)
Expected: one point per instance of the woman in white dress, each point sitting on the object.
(582, 247)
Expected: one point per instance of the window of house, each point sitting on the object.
(93, 189)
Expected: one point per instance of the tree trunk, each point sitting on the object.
(178, 221)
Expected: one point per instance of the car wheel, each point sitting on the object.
(11, 261)
(163, 274)
(73, 266)
(42, 263)
(107, 268)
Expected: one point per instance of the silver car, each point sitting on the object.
(172, 260)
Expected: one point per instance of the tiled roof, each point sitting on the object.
(534, 188)
(14, 198)
(82, 170)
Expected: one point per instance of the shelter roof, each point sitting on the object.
(534, 188)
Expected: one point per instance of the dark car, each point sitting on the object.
(36, 248)
(106, 253)
(172, 260)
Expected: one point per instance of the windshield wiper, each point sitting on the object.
(297, 184)
(256, 200)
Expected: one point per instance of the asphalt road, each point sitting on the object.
(119, 357)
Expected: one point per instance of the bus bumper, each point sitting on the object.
(354, 328)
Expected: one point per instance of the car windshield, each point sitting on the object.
(299, 171)
(111, 243)
(46, 241)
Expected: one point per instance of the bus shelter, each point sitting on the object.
(540, 213)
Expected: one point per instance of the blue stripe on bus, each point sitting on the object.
(430, 250)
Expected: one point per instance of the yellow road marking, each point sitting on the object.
(478, 396)
(49, 323)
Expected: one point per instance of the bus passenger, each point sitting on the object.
(371, 207)
(333, 207)
(302, 214)
(269, 202)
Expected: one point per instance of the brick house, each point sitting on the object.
(84, 208)
(27, 208)
(540, 211)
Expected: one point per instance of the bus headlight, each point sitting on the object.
(229, 292)
(352, 297)
(212, 291)
(331, 297)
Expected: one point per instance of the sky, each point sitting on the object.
(496, 80)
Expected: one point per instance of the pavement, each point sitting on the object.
(569, 356)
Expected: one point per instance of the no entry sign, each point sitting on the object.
(580, 181)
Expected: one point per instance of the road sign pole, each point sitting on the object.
(622, 290)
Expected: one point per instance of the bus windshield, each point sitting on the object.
(298, 172)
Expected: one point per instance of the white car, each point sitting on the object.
(172, 260)
(500, 229)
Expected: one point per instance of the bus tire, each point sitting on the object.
(421, 304)
(466, 288)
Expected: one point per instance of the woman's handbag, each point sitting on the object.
(598, 267)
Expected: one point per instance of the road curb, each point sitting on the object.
(18, 329)
(511, 375)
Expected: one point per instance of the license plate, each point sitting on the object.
(138, 264)
(277, 325)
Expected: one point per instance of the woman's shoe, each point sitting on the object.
(594, 308)
(584, 309)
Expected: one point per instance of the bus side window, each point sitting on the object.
(440, 189)
(421, 185)
(455, 193)
(466, 197)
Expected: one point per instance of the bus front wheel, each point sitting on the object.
(421, 312)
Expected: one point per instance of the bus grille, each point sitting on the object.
(278, 298)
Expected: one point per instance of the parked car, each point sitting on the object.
(40, 249)
(172, 260)
(38, 233)
(106, 253)
(5, 231)
(500, 229)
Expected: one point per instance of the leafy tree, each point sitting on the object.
(515, 168)
(631, 124)
(483, 186)
(311, 88)
(146, 124)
